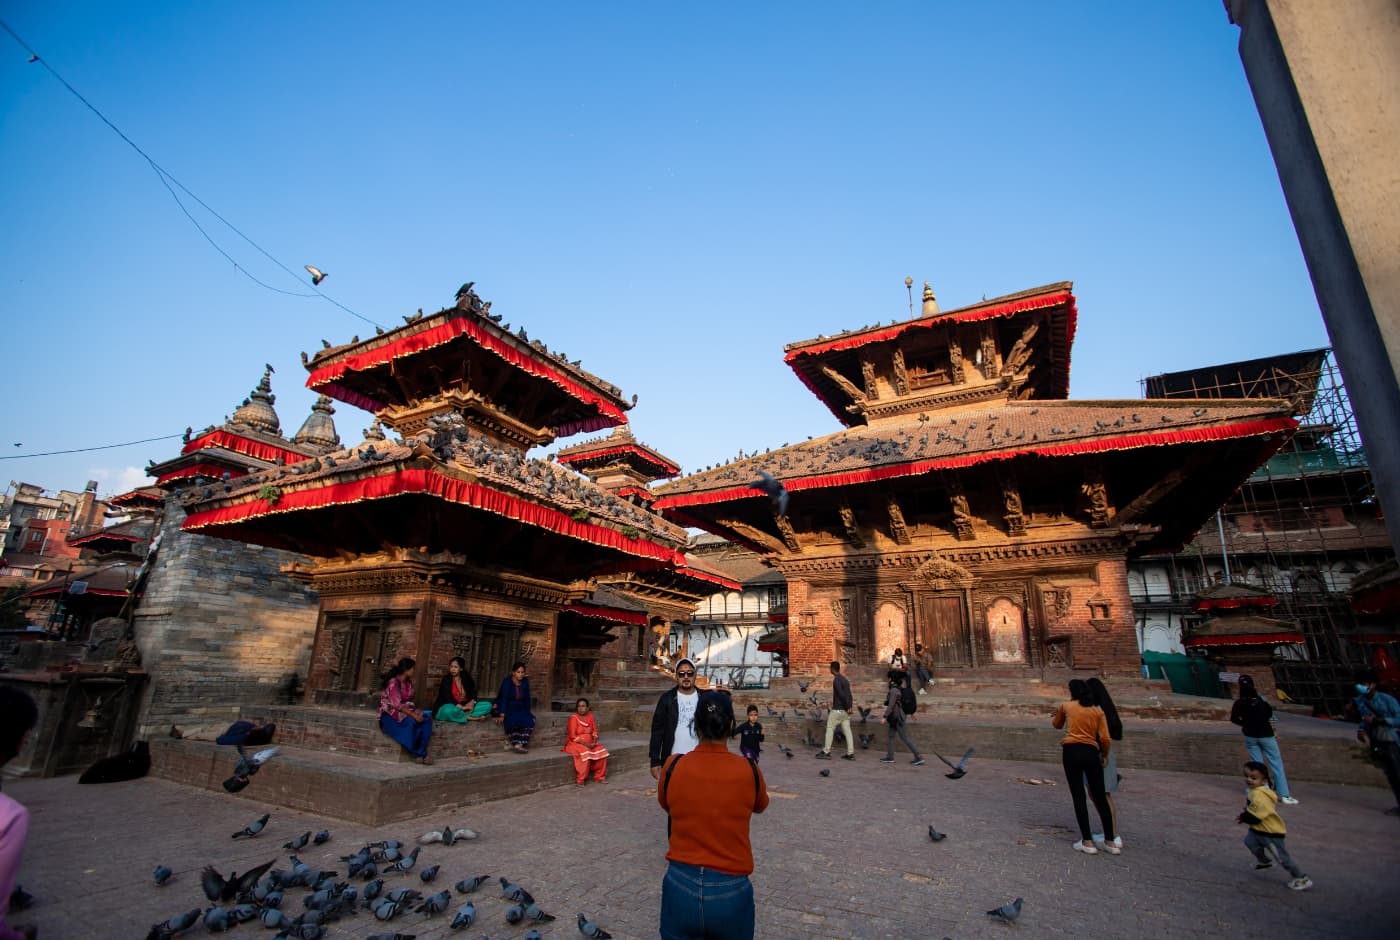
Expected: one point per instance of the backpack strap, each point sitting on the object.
(753, 765)
(666, 780)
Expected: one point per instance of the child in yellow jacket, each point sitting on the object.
(1266, 828)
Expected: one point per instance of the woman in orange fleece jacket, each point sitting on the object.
(710, 795)
(1084, 750)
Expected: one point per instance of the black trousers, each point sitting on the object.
(1387, 755)
(1083, 764)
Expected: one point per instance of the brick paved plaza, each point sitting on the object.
(845, 856)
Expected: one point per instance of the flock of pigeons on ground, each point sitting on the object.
(260, 893)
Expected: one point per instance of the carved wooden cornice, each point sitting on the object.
(402, 571)
(836, 567)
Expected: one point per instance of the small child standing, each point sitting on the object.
(1266, 828)
(750, 734)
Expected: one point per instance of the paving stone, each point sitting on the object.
(845, 856)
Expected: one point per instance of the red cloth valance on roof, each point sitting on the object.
(1247, 639)
(622, 449)
(1102, 445)
(241, 445)
(213, 471)
(722, 581)
(1230, 603)
(608, 613)
(432, 483)
(969, 316)
(325, 377)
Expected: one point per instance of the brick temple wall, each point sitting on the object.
(219, 627)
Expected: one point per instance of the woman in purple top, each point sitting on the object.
(399, 717)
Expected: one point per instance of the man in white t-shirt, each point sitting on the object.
(673, 721)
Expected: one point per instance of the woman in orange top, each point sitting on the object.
(581, 741)
(710, 794)
(1084, 750)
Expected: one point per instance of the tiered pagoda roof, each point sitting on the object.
(981, 386)
(141, 499)
(463, 360)
(250, 440)
(1237, 620)
(619, 462)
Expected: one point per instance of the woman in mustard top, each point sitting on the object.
(1084, 751)
(710, 794)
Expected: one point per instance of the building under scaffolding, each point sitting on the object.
(1304, 527)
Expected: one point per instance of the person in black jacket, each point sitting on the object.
(1255, 717)
(673, 721)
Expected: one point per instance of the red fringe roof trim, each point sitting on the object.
(431, 483)
(324, 378)
(970, 316)
(608, 613)
(874, 474)
(58, 589)
(639, 491)
(1232, 603)
(241, 445)
(99, 536)
(1247, 639)
(671, 469)
(719, 579)
(212, 470)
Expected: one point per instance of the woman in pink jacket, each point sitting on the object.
(17, 716)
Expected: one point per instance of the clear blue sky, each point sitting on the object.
(668, 192)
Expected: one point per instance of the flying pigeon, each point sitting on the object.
(317, 275)
(161, 874)
(776, 492)
(936, 836)
(253, 828)
(590, 929)
(959, 769)
(1007, 912)
(217, 888)
(864, 713)
(446, 835)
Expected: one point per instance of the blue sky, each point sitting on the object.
(668, 192)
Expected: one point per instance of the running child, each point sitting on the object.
(1266, 828)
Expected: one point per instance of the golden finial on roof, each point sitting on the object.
(930, 302)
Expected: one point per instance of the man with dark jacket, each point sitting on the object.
(840, 714)
(673, 721)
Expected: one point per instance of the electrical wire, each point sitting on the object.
(84, 450)
(167, 178)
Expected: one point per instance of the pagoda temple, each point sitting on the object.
(451, 541)
(967, 504)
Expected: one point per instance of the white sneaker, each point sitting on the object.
(1289, 800)
(1301, 884)
(1086, 849)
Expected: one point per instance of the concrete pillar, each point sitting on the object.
(1326, 80)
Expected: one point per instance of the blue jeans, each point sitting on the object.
(1265, 751)
(701, 903)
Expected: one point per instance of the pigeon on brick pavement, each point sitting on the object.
(1007, 912)
(253, 828)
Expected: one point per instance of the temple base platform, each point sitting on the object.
(337, 762)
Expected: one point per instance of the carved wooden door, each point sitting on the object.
(370, 667)
(495, 655)
(945, 628)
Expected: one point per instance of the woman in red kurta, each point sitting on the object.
(581, 741)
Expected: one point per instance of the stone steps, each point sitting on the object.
(346, 785)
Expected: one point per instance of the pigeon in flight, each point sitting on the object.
(248, 764)
(1007, 912)
(935, 836)
(317, 275)
(253, 828)
(217, 888)
(960, 768)
(446, 835)
(864, 713)
(590, 929)
(866, 740)
(777, 493)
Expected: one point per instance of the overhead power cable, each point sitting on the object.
(167, 178)
(84, 450)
